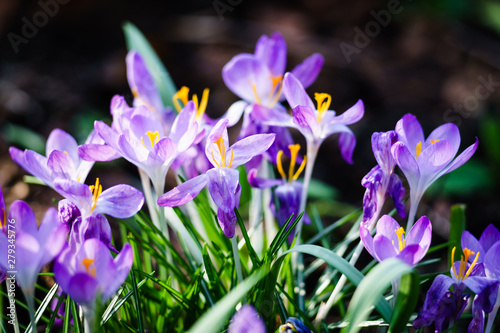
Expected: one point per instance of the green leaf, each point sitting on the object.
(137, 41)
(253, 255)
(46, 301)
(457, 227)
(406, 301)
(370, 290)
(24, 137)
(320, 190)
(215, 318)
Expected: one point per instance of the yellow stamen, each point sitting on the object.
(279, 165)
(182, 95)
(434, 141)
(222, 151)
(323, 100)
(257, 99)
(135, 93)
(87, 262)
(300, 169)
(200, 109)
(66, 152)
(276, 80)
(294, 150)
(419, 148)
(213, 158)
(401, 241)
(96, 191)
(462, 273)
(153, 137)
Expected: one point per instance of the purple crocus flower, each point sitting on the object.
(62, 159)
(422, 160)
(257, 78)
(34, 246)
(381, 180)
(443, 307)
(294, 325)
(92, 271)
(316, 124)
(287, 192)
(389, 241)
(247, 320)
(144, 142)
(223, 179)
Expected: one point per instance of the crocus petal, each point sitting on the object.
(261, 182)
(123, 262)
(61, 164)
(421, 234)
(28, 254)
(134, 152)
(492, 261)
(227, 222)
(244, 149)
(387, 227)
(246, 320)
(97, 227)
(24, 217)
(477, 323)
(163, 153)
(144, 121)
(307, 71)
(82, 288)
(448, 132)
(37, 166)
(352, 115)
(272, 52)
(347, 143)
(381, 146)
(485, 288)
(141, 82)
(397, 193)
(306, 122)
(76, 192)
(222, 184)
(411, 254)
(384, 247)
(184, 129)
(367, 240)
(233, 114)
(438, 289)
(406, 161)
(53, 244)
(435, 157)
(97, 152)
(295, 93)
(18, 156)
(460, 159)
(184, 192)
(247, 77)
(107, 133)
(273, 117)
(63, 142)
(468, 241)
(120, 201)
(490, 236)
(410, 132)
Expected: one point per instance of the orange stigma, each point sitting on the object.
(91, 270)
(323, 100)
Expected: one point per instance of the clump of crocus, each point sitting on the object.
(247, 320)
(91, 273)
(444, 307)
(381, 181)
(288, 191)
(223, 179)
(389, 240)
(423, 160)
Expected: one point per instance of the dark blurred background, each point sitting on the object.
(436, 59)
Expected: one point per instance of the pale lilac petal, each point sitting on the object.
(162, 153)
(272, 117)
(396, 191)
(120, 201)
(406, 161)
(410, 132)
(247, 320)
(387, 227)
(53, 244)
(144, 121)
(347, 143)
(460, 159)
(63, 142)
(381, 146)
(82, 288)
(27, 255)
(352, 115)
(183, 124)
(244, 149)
(234, 113)
(75, 192)
(367, 240)
(123, 263)
(61, 165)
(227, 222)
(307, 71)
(141, 82)
(383, 247)
(261, 182)
(411, 254)
(109, 135)
(247, 77)
(222, 184)
(37, 166)
(272, 52)
(435, 157)
(24, 217)
(211, 149)
(98, 227)
(448, 132)
(420, 233)
(97, 152)
(184, 192)
(295, 93)
(18, 156)
(133, 152)
(305, 120)
(468, 241)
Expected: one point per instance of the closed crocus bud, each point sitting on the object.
(68, 212)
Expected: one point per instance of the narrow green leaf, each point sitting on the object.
(76, 316)
(67, 317)
(406, 301)
(457, 227)
(137, 41)
(370, 290)
(46, 301)
(215, 318)
(137, 303)
(253, 255)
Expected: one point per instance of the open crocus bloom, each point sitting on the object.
(315, 123)
(390, 242)
(222, 180)
(381, 181)
(422, 160)
(443, 307)
(34, 247)
(257, 78)
(92, 271)
(62, 159)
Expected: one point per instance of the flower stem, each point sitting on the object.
(414, 201)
